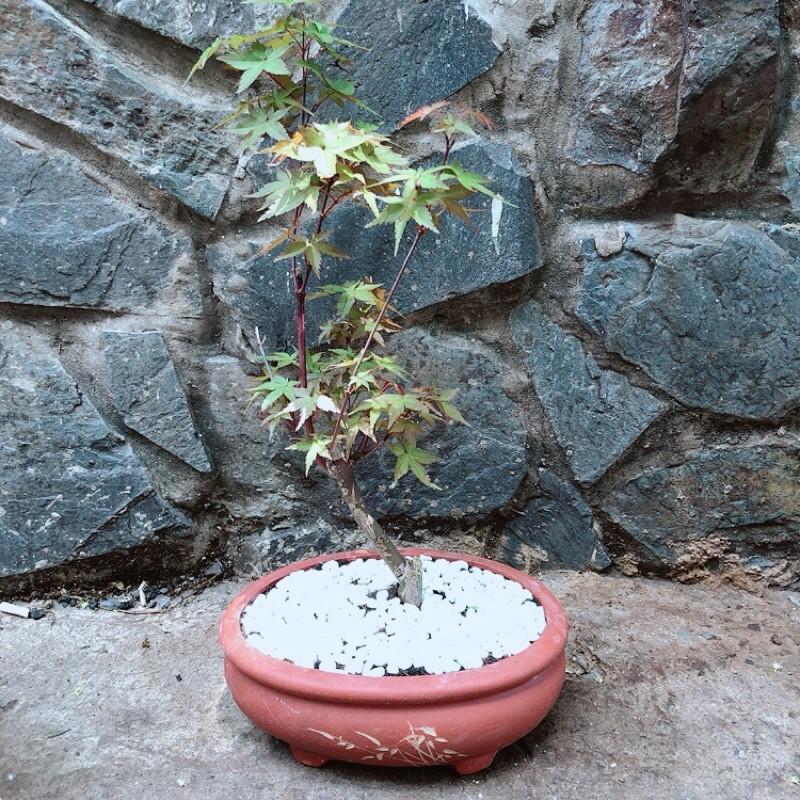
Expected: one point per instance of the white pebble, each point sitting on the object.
(318, 616)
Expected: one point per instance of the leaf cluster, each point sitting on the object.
(346, 397)
(286, 72)
(383, 409)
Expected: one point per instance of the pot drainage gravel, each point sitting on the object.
(344, 618)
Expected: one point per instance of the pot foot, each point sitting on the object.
(307, 757)
(475, 764)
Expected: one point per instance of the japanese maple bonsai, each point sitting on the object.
(341, 398)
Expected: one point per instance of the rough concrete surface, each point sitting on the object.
(674, 692)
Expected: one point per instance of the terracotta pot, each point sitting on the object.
(458, 718)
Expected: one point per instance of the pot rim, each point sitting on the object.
(339, 687)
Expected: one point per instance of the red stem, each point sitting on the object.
(338, 200)
(447, 145)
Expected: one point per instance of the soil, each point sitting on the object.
(673, 693)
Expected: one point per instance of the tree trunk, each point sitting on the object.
(408, 571)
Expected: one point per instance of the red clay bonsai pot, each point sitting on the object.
(458, 718)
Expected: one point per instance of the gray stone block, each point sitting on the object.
(714, 503)
(243, 450)
(791, 184)
(684, 91)
(596, 413)
(148, 394)
(56, 69)
(192, 23)
(710, 310)
(418, 51)
(66, 241)
(556, 530)
(69, 487)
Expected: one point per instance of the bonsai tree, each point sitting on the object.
(342, 398)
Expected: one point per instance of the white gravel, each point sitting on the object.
(341, 618)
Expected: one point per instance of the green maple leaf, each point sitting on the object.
(281, 360)
(274, 389)
(325, 143)
(253, 127)
(313, 448)
(255, 60)
(471, 181)
(348, 294)
(387, 364)
(306, 402)
(290, 189)
(409, 458)
(448, 409)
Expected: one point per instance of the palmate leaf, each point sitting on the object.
(339, 86)
(290, 189)
(420, 187)
(273, 389)
(470, 180)
(253, 127)
(443, 400)
(413, 459)
(255, 60)
(348, 294)
(393, 406)
(363, 379)
(281, 360)
(208, 53)
(324, 160)
(275, 33)
(306, 402)
(339, 358)
(264, 104)
(327, 248)
(425, 192)
(327, 144)
(311, 248)
(380, 157)
(385, 363)
(313, 365)
(314, 448)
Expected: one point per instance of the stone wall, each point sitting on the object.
(627, 346)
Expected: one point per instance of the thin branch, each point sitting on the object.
(320, 101)
(448, 144)
(260, 343)
(338, 200)
(387, 301)
(304, 53)
(325, 197)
